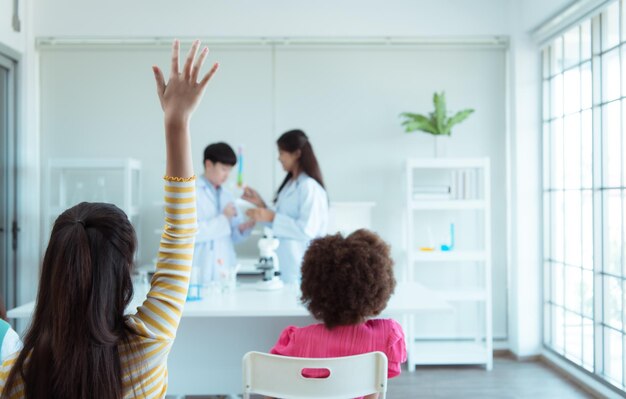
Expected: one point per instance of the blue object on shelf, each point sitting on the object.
(194, 294)
(450, 247)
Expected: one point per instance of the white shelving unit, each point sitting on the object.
(469, 260)
(70, 181)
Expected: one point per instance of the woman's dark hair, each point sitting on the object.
(71, 349)
(293, 141)
(346, 280)
(220, 152)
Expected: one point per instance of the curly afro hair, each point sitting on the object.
(346, 280)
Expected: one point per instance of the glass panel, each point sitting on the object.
(587, 149)
(573, 237)
(571, 88)
(586, 96)
(623, 141)
(596, 35)
(588, 344)
(612, 301)
(623, 8)
(546, 325)
(585, 40)
(545, 59)
(587, 293)
(547, 200)
(573, 283)
(611, 76)
(623, 62)
(613, 355)
(610, 26)
(623, 233)
(556, 63)
(546, 155)
(587, 230)
(557, 154)
(571, 151)
(571, 47)
(556, 105)
(596, 66)
(573, 337)
(546, 100)
(557, 241)
(613, 232)
(547, 270)
(559, 278)
(613, 146)
(558, 329)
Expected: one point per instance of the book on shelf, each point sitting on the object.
(464, 184)
(431, 192)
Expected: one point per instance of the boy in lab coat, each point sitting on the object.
(219, 224)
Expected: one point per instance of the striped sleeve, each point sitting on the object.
(158, 317)
(5, 370)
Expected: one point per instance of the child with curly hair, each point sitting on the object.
(345, 283)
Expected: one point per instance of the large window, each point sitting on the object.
(584, 146)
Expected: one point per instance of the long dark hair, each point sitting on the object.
(71, 348)
(293, 141)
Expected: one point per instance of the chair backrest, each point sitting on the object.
(282, 376)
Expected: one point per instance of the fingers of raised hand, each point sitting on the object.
(160, 80)
(175, 52)
(190, 58)
(209, 75)
(195, 72)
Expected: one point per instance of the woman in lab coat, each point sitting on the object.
(301, 203)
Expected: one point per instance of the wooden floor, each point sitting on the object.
(509, 379)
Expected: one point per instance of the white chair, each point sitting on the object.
(281, 376)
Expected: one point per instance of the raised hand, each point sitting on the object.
(180, 96)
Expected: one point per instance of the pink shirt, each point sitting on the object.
(384, 335)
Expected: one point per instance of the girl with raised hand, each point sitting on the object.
(80, 343)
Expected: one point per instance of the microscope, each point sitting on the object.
(268, 262)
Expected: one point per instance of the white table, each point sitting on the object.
(216, 332)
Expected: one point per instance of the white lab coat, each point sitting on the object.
(216, 234)
(301, 215)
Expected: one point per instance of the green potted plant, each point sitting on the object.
(437, 123)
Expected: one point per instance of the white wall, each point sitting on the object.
(21, 44)
(220, 18)
(8, 37)
(525, 270)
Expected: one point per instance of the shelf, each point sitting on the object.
(448, 204)
(467, 201)
(449, 256)
(449, 352)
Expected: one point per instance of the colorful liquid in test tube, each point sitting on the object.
(240, 168)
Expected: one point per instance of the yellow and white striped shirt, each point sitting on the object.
(156, 320)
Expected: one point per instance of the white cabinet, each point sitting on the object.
(448, 241)
(70, 181)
